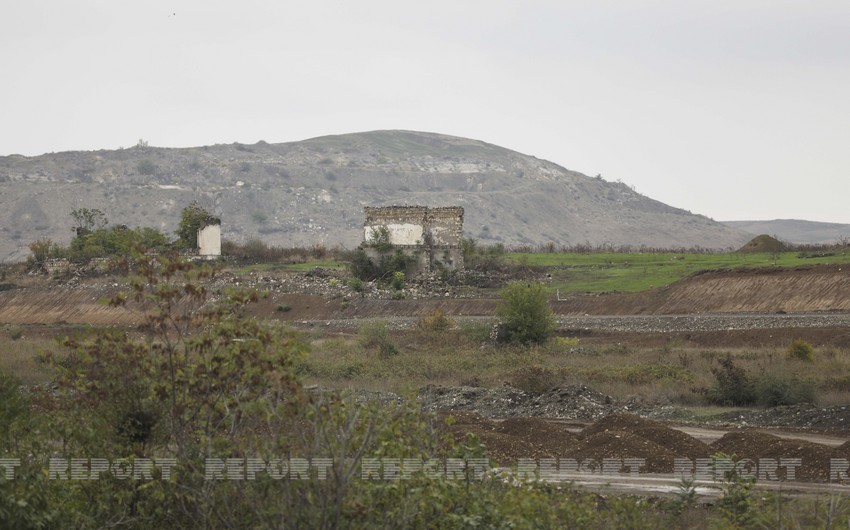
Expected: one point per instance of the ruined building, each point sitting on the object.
(209, 238)
(431, 237)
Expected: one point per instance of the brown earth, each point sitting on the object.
(628, 436)
(824, 288)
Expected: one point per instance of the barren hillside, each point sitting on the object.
(313, 192)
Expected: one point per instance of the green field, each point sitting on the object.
(596, 272)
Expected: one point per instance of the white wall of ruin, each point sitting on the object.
(400, 233)
(209, 240)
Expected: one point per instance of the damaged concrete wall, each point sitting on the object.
(445, 226)
(209, 240)
(432, 236)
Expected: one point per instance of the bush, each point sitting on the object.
(116, 241)
(365, 269)
(356, 285)
(801, 350)
(773, 391)
(283, 308)
(362, 268)
(398, 281)
(15, 332)
(525, 311)
(41, 250)
(375, 335)
(733, 385)
(534, 379)
(435, 321)
(146, 167)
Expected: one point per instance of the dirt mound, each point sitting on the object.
(625, 436)
(507, 441)
(755, 445)
(677, 442)
(763, 243)
(622, 444)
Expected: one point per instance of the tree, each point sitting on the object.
(204, 380)
(193, 218)
(525, 312)
(86, 220)
(112, 242)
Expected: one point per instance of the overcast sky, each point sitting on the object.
(732, 109)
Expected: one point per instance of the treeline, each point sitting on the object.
(95, 238)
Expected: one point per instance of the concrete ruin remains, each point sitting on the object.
(431, 237)
(209, 240)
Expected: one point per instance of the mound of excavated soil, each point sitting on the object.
(755, 445)
(622, 444)
(514, 438)
(676, 442)
(625, 436)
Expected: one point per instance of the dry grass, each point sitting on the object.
(19, 358)
(672, 374)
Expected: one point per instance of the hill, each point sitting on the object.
(795, 230)
(313, 192)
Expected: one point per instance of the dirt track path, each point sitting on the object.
(710, 435)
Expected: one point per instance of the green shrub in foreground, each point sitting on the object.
(526, 314)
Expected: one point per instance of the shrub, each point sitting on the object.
(525, 311)
(398, 280)
(375, 335)
(146, 167)
(116, 241)
(534, 379)
(41, 250)
(379, 239)
(364, 268)
(733, 385)
(800, 350)
(283, 308)
(773, 391)
(435, 320)
(356, 285)
(15, 332)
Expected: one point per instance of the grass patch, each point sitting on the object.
(574, 272)
(20, 358)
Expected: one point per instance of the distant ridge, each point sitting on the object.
(313, 192)
(795, 230)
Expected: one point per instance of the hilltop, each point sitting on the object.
(313, 192)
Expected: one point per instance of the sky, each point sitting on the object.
(731, 109)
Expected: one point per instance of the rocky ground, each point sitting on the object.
(574, 420)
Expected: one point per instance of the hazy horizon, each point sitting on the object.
(733, 110)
